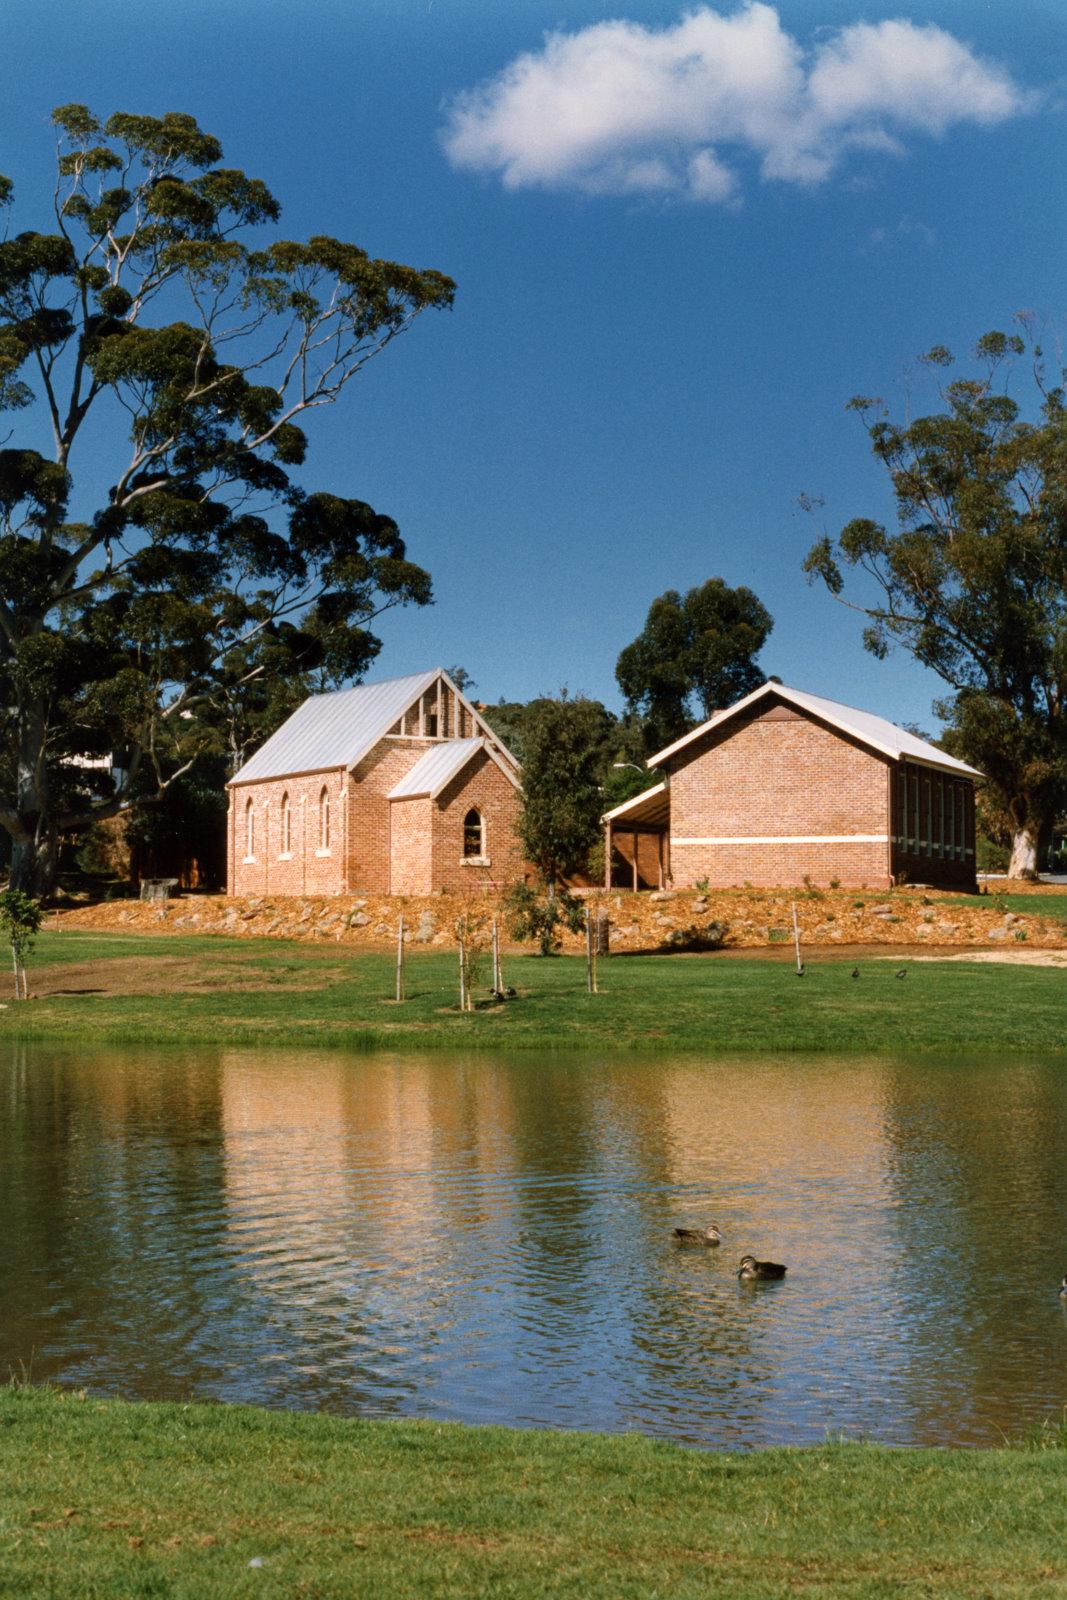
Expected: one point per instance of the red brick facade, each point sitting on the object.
(338, 832)
(777, 795)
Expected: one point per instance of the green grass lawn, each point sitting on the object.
(102, 1499)
(1024, 905)
(274, 992)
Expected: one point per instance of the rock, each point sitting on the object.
(997, 933)
(700, 906)
(881, 911)
(661, 894)
(426, 929)
(948, 927)
(358, 919)
(357, 905)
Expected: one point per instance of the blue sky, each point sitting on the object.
(654, 337)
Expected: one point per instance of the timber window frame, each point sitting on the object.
(474, 852)
(324, 822)
(285, 852)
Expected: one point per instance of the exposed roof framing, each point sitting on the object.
(337, 730)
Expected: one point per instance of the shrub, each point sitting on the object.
(541, 914)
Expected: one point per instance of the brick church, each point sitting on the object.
(396, 787)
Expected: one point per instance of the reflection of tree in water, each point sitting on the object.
(110, 1169)
(977, 1162)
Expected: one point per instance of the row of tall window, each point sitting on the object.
(931, 815)
(286, 840)
(473, 828)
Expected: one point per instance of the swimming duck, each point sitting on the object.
(752, 1270)
(708, 1236)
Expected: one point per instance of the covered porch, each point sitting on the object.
(637, 842)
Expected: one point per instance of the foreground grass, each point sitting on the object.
(104, 1499)
(275, 992)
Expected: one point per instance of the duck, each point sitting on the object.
(751, 1270)
(1063, 1289)
(855, 972)
(708, 1236)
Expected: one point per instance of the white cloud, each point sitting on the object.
(618, 108)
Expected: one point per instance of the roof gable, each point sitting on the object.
(877, 733)
(432, 774)
(338, 729)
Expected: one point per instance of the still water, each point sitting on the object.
(488, 1238)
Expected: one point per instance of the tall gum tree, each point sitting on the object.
(147, 344)
(973, 579)
(700, 646)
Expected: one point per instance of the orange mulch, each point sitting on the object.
(750, 918)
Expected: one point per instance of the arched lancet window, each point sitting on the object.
(250, 829)
(473, 834)
(324, 820)
(286, 825)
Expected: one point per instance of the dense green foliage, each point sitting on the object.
(696, 650)
(276, 992)
(189, 605)
(562, 795)
(197, 1502)
(973, 580)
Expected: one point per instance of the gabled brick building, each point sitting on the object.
(783, 786)
(396, 787)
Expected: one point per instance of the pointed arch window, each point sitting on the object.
(324, 820)
(286, 827)
(250, 831)
(473, 835)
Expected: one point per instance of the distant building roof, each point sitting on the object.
(876, 732)
(334, 730)
(435, 771)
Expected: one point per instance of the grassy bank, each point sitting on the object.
(106, 1499)
(141, 987)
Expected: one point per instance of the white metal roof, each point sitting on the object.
(436, 769)
(643, 806)
(334, 730)
(876, 732)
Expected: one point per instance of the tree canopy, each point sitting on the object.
(162, 570)
(972, 581)
(696, 650)
(562, 798)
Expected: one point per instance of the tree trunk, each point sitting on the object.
(1029, 849)
(35, 852)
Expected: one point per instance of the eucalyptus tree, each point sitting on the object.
(973, 578)
(696, 651)
(160, 566)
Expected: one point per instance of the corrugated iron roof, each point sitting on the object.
(877, 732)
(335, 730)
(651, 805)
(436, 769)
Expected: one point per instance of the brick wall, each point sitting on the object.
(306, 867)
(778, 775)
(648, 848)
(481, 786)
(371, 820)
(376, 845)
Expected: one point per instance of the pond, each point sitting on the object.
(489, 1238)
